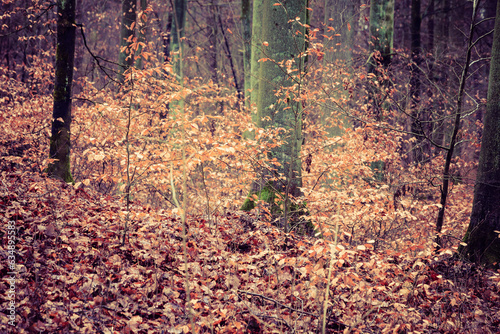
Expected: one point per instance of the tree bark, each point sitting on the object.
(381, 43)
(142, 30)
(482, 237)
(60, 142)
(339, 22)
(339, 15)
(127, 33)
(212, 37)
(381, 30)
(246, 28)
(284, 41)
(256, 54)
(418, 115)
(177, 32)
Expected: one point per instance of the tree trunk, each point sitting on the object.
(246, 28)
(482, 237)
(338, 43)
(381, 30)
(256, 54)
(142, 28)
(439, 74)
(167, 38)
(339, 15)
(177, 32)
(212, 34)
(282, 39)
(60, 143)
(127, 32)
(418, 114)
(381, 42)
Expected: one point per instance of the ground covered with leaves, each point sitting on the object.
(74, 275)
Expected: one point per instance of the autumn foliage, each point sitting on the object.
(361, 257)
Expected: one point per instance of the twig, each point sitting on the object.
(95, 57)
(52, 4)
(278, 303)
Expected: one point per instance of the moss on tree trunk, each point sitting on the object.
(276, 206)
(60, 141)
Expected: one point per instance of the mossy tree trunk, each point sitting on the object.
(482, 237)
(281, 37)
(60, 141)
(127, 33)
(339, 15)
(381, 30)
(283, 44)
(246, 28)
(381, 43)
(256, 54)
(339, 23)
(177, 32)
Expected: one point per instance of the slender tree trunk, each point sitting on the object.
(60, 142)
(418, 114)
(440, 73)
(246, 28)
(482, 237)
(256, 54)
(142, 31)
(212, 33)
(177, 32)
(167, 38)
(230, 57)
(381, 43)
(381, 30)
(127, 33)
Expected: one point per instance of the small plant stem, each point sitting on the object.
(127, 148)
(327, 292)
(182, 208)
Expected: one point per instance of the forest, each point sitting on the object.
(265, 166)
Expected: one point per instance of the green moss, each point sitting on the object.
(490, 256)
(248, 205)
(378, 168)
(295, 213)
(298, 223)
(267, 194)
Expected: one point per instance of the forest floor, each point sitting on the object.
(73, 275)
